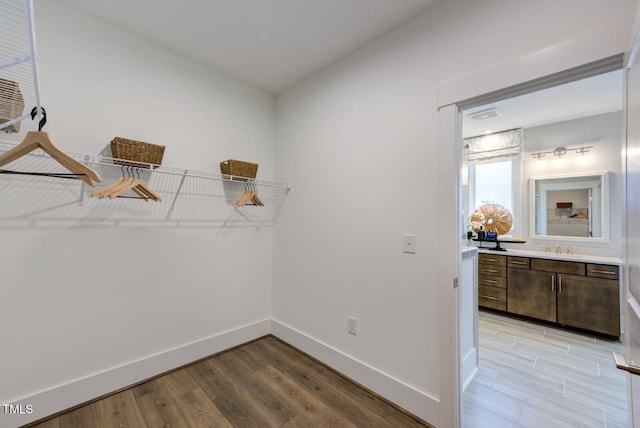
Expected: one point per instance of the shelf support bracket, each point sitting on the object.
(175, 197)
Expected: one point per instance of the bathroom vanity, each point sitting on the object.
(575, 291)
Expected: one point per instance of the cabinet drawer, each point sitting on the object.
(559, 266)
(603, 271)
(492, 281)
(488, 270)
(492, 259)
(492, 297)
(518, 262)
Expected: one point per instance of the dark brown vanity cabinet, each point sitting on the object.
(532, 293)
(574, 294)
(591, 303)
(492, 281)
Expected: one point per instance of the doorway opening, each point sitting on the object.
(532, 373)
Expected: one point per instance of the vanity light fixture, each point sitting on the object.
(561, 151)
(582, 151)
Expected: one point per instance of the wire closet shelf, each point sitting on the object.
(189, 197)
(18, 59)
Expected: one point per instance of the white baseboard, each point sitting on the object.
(65, 396)
(62, 397)
(409, 398)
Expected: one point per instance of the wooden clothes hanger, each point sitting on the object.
(138, 187)
(42, 140)
(124, 184)
(249, 194)
(107, 190)
(255, 199)
(244, 197)
(101, 193)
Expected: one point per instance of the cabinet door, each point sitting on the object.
(532, 293)
(589, 303)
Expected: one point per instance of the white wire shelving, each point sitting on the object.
(189, 198)
(18, 58)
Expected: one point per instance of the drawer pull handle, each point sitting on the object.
(553, 283)
(559, 284)
(608, 272)
(490, 270)
(484, 259)
(491, 281)
(515, 262)
(489, 297)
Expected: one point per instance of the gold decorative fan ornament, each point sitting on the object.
(492, 218)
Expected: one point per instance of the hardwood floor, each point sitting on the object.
(533, 375)
(530, 375)
(265, 383)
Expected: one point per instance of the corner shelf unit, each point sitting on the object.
(189, 198)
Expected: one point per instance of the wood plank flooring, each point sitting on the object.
(265, 383)
(533, 375)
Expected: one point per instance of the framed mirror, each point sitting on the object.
(570, 207)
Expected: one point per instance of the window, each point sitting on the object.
(492, 183)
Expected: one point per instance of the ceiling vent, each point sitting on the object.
(484, 114)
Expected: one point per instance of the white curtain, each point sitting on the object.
(498, 147)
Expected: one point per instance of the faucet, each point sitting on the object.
(558, 249)
(569, 250)
(547, 249)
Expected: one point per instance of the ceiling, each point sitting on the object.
(270, 44)
(273, 44)
(582, 98)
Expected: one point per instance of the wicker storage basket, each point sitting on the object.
(239, 168)
(137, 151)
(11, 104)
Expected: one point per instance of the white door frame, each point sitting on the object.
(564, 62)
(630, 252)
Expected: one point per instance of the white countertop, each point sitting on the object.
(553, 256)
(469, 251)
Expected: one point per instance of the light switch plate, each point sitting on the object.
(352, 326)
(409, 243)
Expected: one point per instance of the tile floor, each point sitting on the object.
(533, 375)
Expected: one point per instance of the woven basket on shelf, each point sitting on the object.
(239, 168)
(11, 104)
(136, 151)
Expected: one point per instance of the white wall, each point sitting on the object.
(359, 140)
(131, 302)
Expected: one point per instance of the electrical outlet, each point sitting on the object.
(409, 243)
(352, 325)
